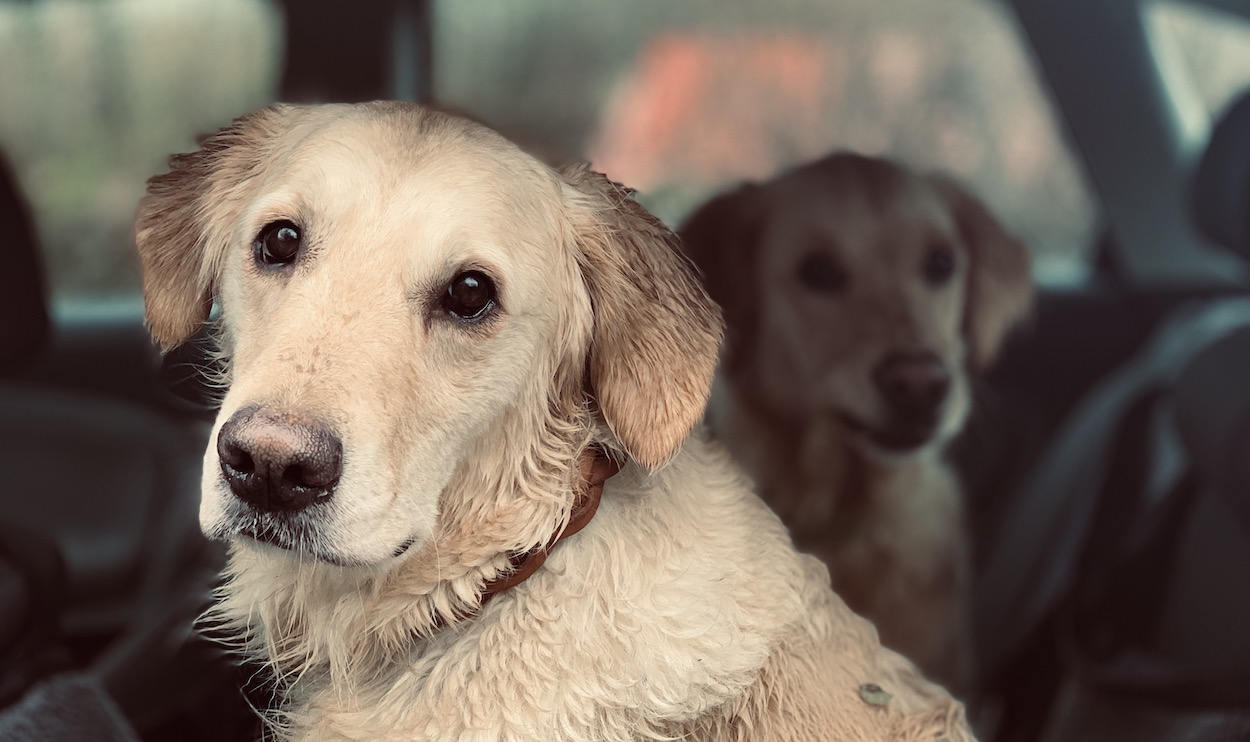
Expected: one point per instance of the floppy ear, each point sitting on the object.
(1000, 281)
(656, 331)
(179, 244)
(721, 238)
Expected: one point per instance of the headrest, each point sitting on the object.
(23, 306)
(1220, 192)
(1212, 408)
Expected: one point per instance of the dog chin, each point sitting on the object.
(894, 441)
(298, 541)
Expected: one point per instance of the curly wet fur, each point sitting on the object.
(343, 620)
(800, 683)
(680, 611)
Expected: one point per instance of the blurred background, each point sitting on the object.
(1081, 122)
(676, 99)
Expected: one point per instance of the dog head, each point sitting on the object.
(422, 326)
(857, 290)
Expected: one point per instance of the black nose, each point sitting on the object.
(913, 385)
(278, 462)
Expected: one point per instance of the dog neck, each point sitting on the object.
(596, 468)
(810, 471)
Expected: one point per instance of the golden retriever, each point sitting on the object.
(858, 297)
(428, 336)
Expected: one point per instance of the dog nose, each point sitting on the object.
(278, 462)
(913, 384)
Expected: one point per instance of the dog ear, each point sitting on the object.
(721, 238)
(1000, 288)
(179, 249)
(656, 331)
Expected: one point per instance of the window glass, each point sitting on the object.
(681, 100)
(95, 94)
(1204, 55)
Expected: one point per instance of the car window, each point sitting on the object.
(148, 75)
(1204, 57)
(682, 99)
(678, 100)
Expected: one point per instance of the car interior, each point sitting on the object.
(1105, 462)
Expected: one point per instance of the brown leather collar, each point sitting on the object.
(597, 467)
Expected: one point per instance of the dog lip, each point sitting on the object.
(271, 539)
(274, 537)
(896, 438)
(269, 536)
(404, 547)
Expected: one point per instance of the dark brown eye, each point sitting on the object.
(939, 265)
(820, 274)
(277, 244)
(470, 295)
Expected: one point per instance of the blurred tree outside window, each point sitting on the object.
(683, 99)
(677, 99)
(95, 95)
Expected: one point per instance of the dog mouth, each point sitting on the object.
(898, 436)
(288, 537)
(298, 539)
(295, 538)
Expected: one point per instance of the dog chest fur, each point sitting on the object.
(602, 645)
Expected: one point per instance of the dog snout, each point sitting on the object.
(279, 462)
(913, 384)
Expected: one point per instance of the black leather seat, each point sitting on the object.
(99, 500)
(107, 480)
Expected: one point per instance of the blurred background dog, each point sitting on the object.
(860, 297)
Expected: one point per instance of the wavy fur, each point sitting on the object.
(681, 611)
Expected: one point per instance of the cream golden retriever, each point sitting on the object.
(859, 296)
(429, 335)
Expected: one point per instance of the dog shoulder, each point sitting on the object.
(836, 681)
(684, 585)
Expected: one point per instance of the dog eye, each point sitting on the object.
(470, 295)
(939, 265)
(819, 273)
(278, 243)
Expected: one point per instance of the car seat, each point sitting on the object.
(102, 565)
(1127, 552)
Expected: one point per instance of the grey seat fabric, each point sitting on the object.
(1151, 626)
(1158, 649)
(1033, 561)
(64, 708)
(1097, 716)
